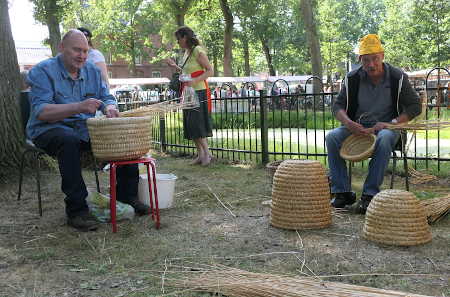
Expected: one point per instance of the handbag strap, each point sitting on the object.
(185, 61)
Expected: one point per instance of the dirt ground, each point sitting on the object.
(45, 257)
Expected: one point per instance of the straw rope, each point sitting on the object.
(239, 283)
(116, 139)
(396, 217)
(436, 208)
(157, 108)
(300, 196)
(358, 147)
(420, 125)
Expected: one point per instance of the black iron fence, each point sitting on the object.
(272, 127)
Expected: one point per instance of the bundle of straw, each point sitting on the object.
(418, 177)
(157, 108)
(436, 208)
(421, 125)
(234, 282)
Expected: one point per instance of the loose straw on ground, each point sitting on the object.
(234, 282)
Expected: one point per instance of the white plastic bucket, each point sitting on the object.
(165, 184)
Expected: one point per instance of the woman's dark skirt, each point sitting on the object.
(197, 121)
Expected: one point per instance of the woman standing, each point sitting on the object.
(196, 121)
(95, 56)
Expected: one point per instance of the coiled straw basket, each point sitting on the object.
(396, 217)
(357, 148)
(300, 196)
(119, 139)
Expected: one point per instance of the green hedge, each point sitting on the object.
(276, 119)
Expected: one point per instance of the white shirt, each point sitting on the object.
(95, 56)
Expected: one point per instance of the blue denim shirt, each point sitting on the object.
(51, 84)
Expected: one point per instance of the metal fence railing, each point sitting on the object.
(262, 128)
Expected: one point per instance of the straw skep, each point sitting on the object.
(300, 196)
(396, 217)
(357, 148)
(118, 139)
(271, 168)
(234, 282)
(436, 208)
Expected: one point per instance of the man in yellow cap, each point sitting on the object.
(373, 95)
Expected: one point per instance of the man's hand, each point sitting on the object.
(89, 105)
(378, 127)
(111, 111)
(355, 128)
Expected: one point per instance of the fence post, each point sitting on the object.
(264, 128)
(162, 128)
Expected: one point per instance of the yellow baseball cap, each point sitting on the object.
(370, 44)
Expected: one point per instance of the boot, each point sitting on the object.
(363, 203)
(340, 200)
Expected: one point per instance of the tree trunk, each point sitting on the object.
(215, 64)
(10, 125)
(266, 51)
(227, 39)
(313, 41)
(246, 56)
(53, 26)
(179, 17)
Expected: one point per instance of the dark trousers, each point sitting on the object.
(66, 146)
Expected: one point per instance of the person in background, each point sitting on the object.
(95, 56)
(65, 92)
(373, 95)
(197, 122)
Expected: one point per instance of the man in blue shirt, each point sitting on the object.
(65, 91)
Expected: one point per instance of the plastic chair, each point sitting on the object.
(147, 161)
(399, 146)
(37, 153)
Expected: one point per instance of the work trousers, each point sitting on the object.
(340, 183)
(66, 146)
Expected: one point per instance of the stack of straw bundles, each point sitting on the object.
(234, 282)
(396, 217)
(300, 196)
(118, 139)
(357, 148)
(436, 208)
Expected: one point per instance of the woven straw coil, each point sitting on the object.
(117, 139)
(300, 196)
(396, 217)
(357, 148)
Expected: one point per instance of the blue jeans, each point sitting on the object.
(67, 146)
(386, 140)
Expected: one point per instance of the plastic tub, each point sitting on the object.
(165, 184)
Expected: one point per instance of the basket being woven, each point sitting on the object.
(300, 196)
(118, 139)
(357, 148)
(396, 217)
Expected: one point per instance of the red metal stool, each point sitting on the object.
(147, 161)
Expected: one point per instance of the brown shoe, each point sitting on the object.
(83, 222)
